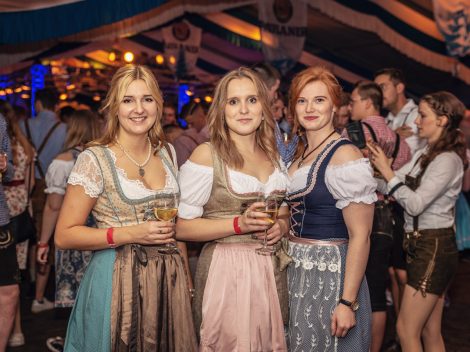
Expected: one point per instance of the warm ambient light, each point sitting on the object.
(189, 93)
(112, 56)
(197, 100)
(208, 99)
(2, 93)
(70, 86)
(172, 60)
(24, 96)
(128, 57)
(25, 88)
(18, 90)
(96, 98)
(159, 59)
(9, 91)
(63, 96)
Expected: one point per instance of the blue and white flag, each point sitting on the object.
(453, 20)
(283, 31)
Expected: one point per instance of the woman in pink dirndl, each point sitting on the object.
(240, 298)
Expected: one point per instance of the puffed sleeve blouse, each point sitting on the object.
(351, 182)
(196, 184)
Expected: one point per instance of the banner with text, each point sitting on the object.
(283, 30)
(182, 45)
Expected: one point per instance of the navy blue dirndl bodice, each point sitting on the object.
(313, 209)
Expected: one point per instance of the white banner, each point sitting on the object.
(283, 31)
(182, 45)
(453, 20)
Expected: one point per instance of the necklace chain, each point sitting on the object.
(303, 157)
(140, 166)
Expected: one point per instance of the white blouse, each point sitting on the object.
(435, 198)
(57, 174)
(351, 182)
(87, 174)
(196, 184)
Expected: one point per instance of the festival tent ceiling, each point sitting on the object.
(353, 38)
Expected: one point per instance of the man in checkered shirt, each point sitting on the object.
(365, 104)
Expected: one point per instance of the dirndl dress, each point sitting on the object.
(241, 296)
(132, 298)
(318, 247)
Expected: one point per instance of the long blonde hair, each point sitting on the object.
(121, 80)
(219, 131)
(83, 127)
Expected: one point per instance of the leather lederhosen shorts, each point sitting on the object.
(9, 272)
(432, 259)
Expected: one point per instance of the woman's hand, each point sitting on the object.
(274, 234)
(41, 255)
(380, 161)
(252, 220)
(154, 233)
(342, 320)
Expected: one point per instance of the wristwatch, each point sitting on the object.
(354, 305)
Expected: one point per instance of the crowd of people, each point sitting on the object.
(276, 221)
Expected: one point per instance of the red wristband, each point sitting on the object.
(43, 245)
(109, 238)
(236, 227)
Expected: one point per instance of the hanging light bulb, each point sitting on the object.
(172, 60)
(63, 96)
(208, 99)
(128, 56)
(112, 56)
(159, 59)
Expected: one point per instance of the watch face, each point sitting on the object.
(355, 306)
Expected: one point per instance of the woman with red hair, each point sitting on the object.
(331, 195)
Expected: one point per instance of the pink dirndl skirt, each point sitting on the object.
(240, 307)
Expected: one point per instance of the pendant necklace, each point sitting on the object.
(140, 166)
(303, 157)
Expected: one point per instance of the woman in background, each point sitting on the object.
(427, 188)
(16, 193)
(70, 265)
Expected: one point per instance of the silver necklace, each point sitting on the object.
(140, 166)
